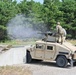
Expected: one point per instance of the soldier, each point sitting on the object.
(59, 32)
(64, 34)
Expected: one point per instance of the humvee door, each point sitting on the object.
(39, 52)
(50, 52)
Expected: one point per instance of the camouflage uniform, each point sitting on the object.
(60, 32)
(64, 31)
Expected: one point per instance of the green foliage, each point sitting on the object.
(47, 13)
(7, 11)
(69, 17)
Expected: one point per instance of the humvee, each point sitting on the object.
(50, 49)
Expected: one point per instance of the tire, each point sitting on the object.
(62, 61)
(28, 57)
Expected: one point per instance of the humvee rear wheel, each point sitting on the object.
(28, 57)
(61, 61)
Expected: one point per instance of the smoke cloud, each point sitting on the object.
(21, 27)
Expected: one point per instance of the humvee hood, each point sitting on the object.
(69, 46)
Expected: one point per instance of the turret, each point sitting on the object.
(51, 37)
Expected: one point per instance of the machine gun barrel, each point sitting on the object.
(46, 33)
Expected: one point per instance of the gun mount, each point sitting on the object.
(49, 36)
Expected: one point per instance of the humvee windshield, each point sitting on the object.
(39, 46)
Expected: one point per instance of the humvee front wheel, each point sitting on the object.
(61, 61)
(28, 57)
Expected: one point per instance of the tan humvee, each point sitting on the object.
(51, 50)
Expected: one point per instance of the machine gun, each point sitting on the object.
(46, 33)
(49, 36)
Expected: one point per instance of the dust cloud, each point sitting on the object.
(21, 27)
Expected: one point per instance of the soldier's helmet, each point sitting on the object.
(58, 23)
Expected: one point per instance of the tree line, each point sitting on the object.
(49, 13)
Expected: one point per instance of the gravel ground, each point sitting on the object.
(15, 56)
(50, 68)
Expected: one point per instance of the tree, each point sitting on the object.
(7, 11)
(68, 9)
(37, 14)
(51, 13)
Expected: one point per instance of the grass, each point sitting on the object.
(12, 70)
(27, 42)
(72, 41)
(18, 42)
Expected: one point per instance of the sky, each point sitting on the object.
(41, 1)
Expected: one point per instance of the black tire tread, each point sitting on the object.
(28, 57)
